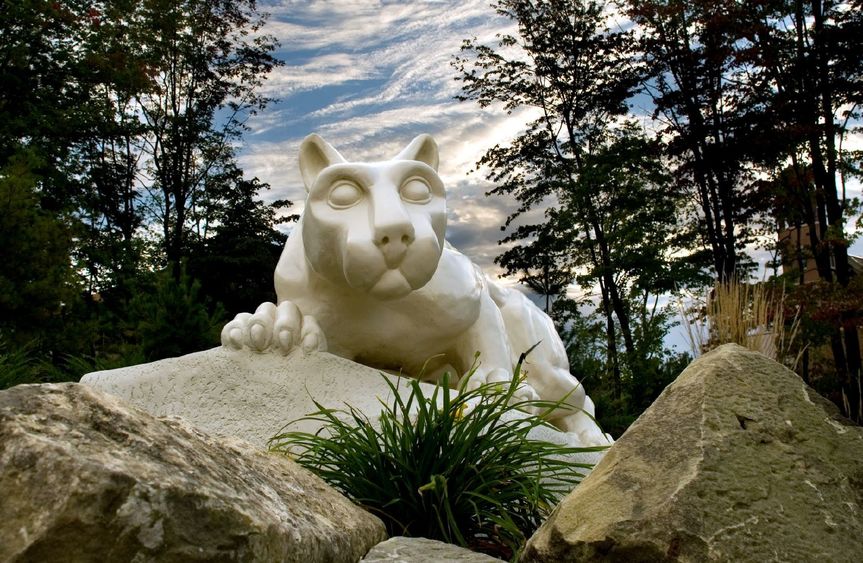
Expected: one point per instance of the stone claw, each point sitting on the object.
(312, 336)
(233, 333)
(526, 393)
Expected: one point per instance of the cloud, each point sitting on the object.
(463, 133)
(324, 70)
(341, 24)
(369, 76)
(410, 46)
(365, 25)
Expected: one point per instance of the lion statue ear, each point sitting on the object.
(423, 148)
(315, 155)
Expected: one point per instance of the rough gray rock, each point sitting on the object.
(252, 396)
(401, 549)
(737, 460)
(86, 477)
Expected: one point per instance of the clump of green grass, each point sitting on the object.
(456, 467)
(27, 364)
(17, 365)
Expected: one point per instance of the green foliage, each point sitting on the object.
(624, 195)
(40, 299)
(694, 53)
(235, 263)
(209, 59)
(172, 319)
(584, 338)
(28, 364)
(36, 276)
(765, 90)
(458, 468)
(823, 310)
(612, 226)
(644, 375)
(16, 365)
(118, 126)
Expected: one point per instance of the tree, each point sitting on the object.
(235, 263)
(111, 208)
(172, 319)
(614, 212)
(44, 112)
(761, 95)
(119, 119)
(811, 80)
(42, 101)
(583, 335)
(36, 278)
(206, 61)
(542, 261)
(628, 243)
(696, 60)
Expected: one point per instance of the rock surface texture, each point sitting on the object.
(737, 460)
(86, 477)
(422, 550)
(244, 394)
(251, 396)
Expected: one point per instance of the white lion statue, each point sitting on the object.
(367, 275)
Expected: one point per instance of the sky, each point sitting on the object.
(368, 76)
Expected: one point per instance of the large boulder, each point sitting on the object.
(252, 395)
(401, 549)
(86, 477)
(737, 460)
(245, 394)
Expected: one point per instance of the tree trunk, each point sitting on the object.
(611, 343)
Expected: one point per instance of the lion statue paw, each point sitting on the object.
(279, 327)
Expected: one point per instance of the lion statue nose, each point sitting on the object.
(393, 241)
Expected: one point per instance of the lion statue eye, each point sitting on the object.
(416, 190)
(344, 194)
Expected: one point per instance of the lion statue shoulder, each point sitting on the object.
(367, 275)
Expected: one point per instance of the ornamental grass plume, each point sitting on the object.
(454, 466)
(752, 315)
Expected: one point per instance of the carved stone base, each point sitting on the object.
(252, 395)
(241, 393)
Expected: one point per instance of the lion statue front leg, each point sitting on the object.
(487, 338)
